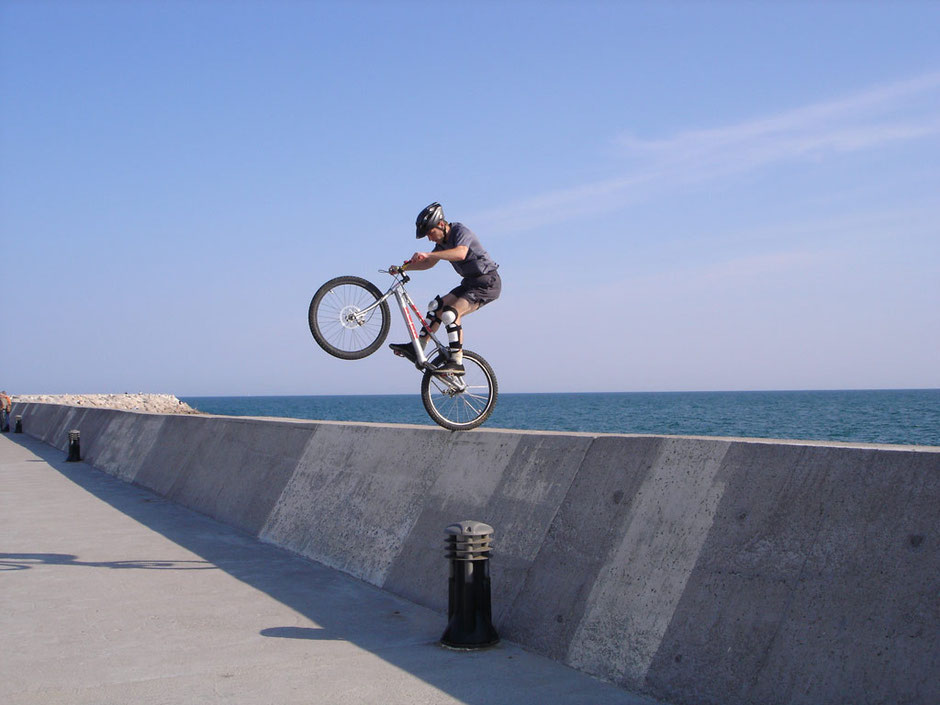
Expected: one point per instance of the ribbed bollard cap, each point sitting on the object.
(75, 433)
(468, 541)
(469, 528)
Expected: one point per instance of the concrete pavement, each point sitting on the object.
(112, 594)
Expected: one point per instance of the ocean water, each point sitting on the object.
(879, 416)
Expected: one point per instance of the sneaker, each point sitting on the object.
(449, 368)
(404, 350)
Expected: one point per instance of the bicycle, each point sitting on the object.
(350, 317)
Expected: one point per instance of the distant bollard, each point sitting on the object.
(18, 427)
(469, 611)
(75, 450)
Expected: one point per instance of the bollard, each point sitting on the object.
(469, 611)
(75, 451)
(18, 427)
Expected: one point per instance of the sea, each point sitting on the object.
(907, 417)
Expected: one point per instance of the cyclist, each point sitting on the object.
(480, 284)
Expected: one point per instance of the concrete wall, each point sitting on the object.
(695, 570)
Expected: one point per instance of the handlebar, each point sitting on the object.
(396, 270)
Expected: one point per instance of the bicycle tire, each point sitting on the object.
(461, 410)
(335, 325)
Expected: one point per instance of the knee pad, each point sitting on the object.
(448, 315)
(433, 316)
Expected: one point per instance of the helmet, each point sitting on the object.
(428, 218)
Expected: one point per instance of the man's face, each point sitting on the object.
(436, 234)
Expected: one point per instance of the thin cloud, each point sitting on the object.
(900, 112)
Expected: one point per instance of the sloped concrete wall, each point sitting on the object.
(696, 570)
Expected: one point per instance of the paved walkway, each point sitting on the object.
(110, 594)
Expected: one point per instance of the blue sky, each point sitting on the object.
(681, 196)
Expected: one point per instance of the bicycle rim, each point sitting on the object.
(461, 403)
(337, 323)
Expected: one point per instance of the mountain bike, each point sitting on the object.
(350, 317)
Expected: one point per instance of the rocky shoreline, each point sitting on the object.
(150, 403)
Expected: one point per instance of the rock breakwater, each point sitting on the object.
(150, 403)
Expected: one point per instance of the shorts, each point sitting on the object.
(479, 290)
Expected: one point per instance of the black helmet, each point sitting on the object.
(428, 218)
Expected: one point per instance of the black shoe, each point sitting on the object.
(404, 350)
(449, 368)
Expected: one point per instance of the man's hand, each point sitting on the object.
(418, 257)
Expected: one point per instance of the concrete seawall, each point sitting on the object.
(695, 570)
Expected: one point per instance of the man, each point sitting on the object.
(6, 406)
(480, 284)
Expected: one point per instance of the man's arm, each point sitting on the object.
(426, 260)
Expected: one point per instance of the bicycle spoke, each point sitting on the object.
(347, 300)
(472, 411)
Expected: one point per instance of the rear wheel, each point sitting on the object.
(338, 324)
(460, 402)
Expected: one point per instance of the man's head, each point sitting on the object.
(430, 223)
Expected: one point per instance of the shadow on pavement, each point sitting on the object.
(25, 561)
(345, 608)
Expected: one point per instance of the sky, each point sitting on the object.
(681, 196)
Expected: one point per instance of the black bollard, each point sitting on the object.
(75, 451)
(469, 610)
(18, 427)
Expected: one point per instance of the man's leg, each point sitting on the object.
(433, 322)
(454, 309)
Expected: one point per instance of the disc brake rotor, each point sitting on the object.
(349, 317)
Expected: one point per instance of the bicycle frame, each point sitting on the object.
(406, 305)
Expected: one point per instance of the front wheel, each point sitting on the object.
(459, 403)
(342, 321)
